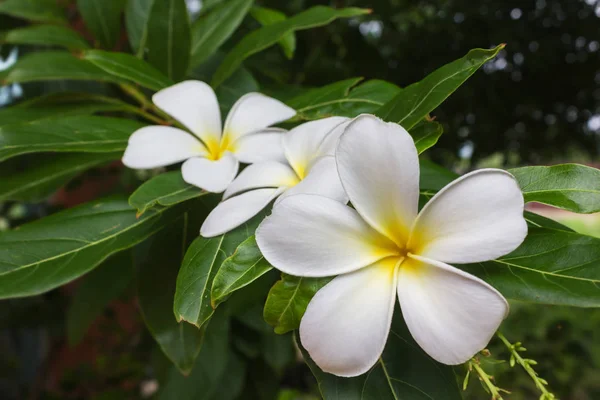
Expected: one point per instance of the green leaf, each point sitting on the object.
(211, 30)
(404, 371)
(416, 101)
(426, 134)
(103, 19)
(159, 260)
(69, 134)
(434, 177)
(163, 190)
(95, 292)
(571, 187)
(46, 35)
(344, 98)
(137, 14)
(268, 35)
(237, 85)
(267, 16)
(34, 10)
(241, 269)
(288, 299)
(209, 370)
(56, 65)
(52, 251)
(551, 267)
(128, 67)
(169, 38)
(200, 265)
(64, 104)
(43, 178)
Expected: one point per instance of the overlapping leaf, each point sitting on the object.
(211, 30)
(244, 266)
(200, 265)
(571, 187)
(44, 177)
(103, 19)
(416, 101)
(127, 67)
(70, 134)
(158, 261)
(52, 251)
(168, 38)
(46, 35)
(271, 34)
(34, 10)
(163, 190)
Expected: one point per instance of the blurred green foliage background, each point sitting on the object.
(537, 103)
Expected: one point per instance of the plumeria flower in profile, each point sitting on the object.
(308, 167)
(384, 246)
(211, 155)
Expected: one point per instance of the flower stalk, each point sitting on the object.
(486, 379)
(516, 358)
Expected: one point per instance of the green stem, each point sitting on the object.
(527, 366)
(485, 378)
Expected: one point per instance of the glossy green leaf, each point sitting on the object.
(271, 34)
(288, 299)
(345, 98)
(137, 14)
(416, 101)
(211, 30)
(404, 371)
(34, 10)
(46, 35)
(209, 370)
(200, 265)
(237, 85)
(95, 292)
(128, 67)
(241, 269)
(267, 16)
(163, 190)
(551, 267)
(69, 134)
(62, 104)
(43, 178)
(52, 251)
(169, 38)
(434, 177)
(158, 261)
(56, 65)
(103, 19)
(571, 187)
(426, 134)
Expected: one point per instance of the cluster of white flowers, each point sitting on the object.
(380, 246)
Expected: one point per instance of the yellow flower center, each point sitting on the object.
(217, 148)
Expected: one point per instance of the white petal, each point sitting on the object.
(265, 145)
(309, 235)
(347, 322)
(212, 176)
(452, 315)
(266, 174)
(195, 105)
(255, 111)
(301, 144)
(379, 168)
(478, 217)
(157, 146)
(233, 212)
(329, 143)
(322, 179)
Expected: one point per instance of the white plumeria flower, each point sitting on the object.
(382, 247)
(308, 167)
(211, 156)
